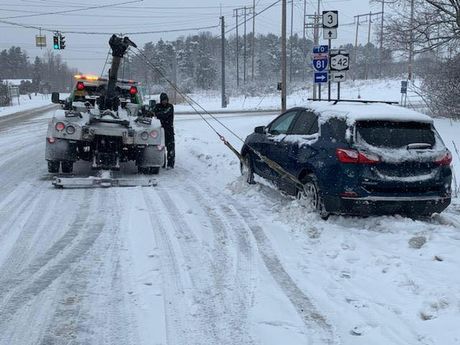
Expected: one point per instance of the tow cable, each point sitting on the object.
(194, 104)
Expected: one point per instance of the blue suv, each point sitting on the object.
(356, 159)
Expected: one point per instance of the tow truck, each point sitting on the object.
(104, 122)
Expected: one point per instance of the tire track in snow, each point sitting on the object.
(87, 309)
(205, 309)
(41, 220)
(177, 332)
(318, 329)
(211, 310)
(18, 292)
(314, 321)
(235, 281)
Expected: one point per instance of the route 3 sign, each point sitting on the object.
(340, 61)
(330, 19)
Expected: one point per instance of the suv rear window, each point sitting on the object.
(395, 134)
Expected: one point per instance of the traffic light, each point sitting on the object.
(61, 41)
(56, 41)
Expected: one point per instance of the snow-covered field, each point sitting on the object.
(388, 90)
(25, 103)
(204, 258)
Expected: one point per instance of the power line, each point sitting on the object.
(106, 33)
(74, 10)
(254, 15)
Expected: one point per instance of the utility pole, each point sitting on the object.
(236, 15)
(411, 43)
(304, 36)
(224, 98)
(381, 39)
(290, 43)
(245, 46)
(368, 17)
(283, 56)
(368, 46)
(253, 39)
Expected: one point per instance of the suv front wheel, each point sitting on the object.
(310, 196)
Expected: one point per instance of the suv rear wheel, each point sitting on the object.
(310, 196)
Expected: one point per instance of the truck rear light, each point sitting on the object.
(60, 126)
(133, 90)
(356, 157)
(80, 86)
(445, 159)
(154, 134)
(51, 140)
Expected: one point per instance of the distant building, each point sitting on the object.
(15, 82)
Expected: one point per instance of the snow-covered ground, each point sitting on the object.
(388, 90)
(204, 258)
(26, 103)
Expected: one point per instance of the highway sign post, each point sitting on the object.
(323, 49)
(321, 77)
(330, 19)
(329, 34)
(320, 64)
(330, 25)
(338, 77)
(340, 60)
(339, 64)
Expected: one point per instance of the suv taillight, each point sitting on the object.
(445, 159)
(356, 157)
(80, 86)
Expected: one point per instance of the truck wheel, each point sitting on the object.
(142, 170)
(53, 167)
(67, 167)
(154, 170)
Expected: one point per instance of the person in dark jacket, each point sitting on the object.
(164, 111)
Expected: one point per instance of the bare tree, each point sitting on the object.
(436, 23)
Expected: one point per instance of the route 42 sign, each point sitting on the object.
(340, 61)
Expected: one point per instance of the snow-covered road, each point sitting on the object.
(204, 258)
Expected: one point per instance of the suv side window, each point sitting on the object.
(305, 124)
(282, 124)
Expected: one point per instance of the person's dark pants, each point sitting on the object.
(170, 148)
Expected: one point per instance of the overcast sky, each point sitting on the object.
(88, 52)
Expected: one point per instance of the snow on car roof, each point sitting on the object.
(366, 112)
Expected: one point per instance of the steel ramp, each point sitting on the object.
(102, 182)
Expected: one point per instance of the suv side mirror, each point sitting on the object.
(152, 104)
(259, 130)
(55, 98)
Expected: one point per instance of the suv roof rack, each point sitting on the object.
(351, 101)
